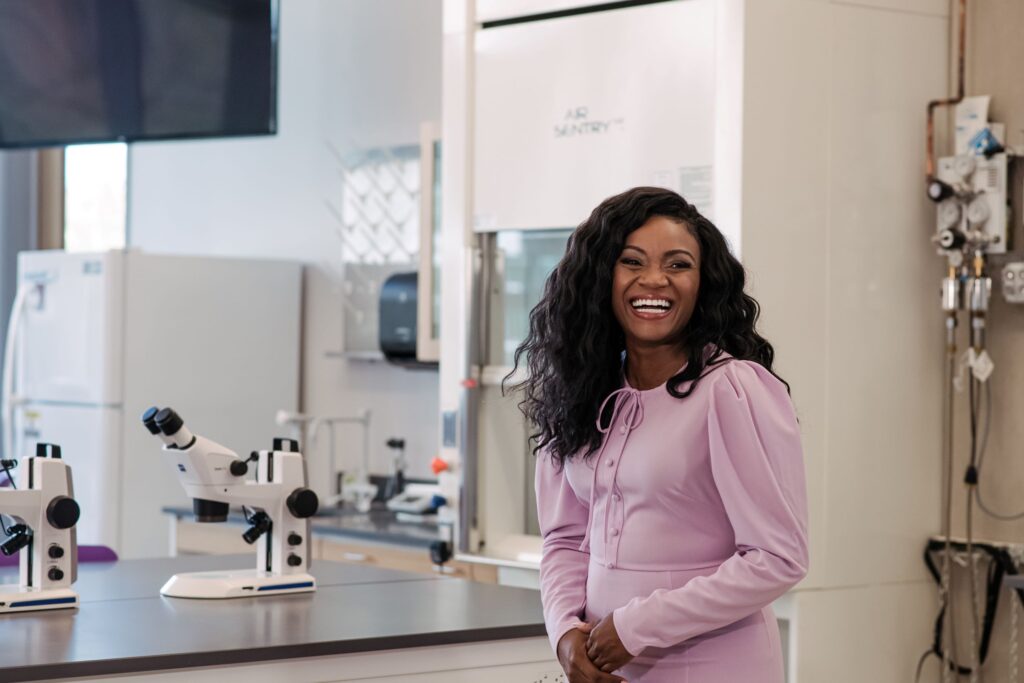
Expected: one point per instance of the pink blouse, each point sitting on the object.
(713, 481)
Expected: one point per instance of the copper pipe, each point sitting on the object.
(935, 104)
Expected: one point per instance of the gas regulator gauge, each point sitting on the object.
(978, 211)
(964, 166)
(949, 214)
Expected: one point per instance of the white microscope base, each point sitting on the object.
(15, 598)
(240, 583)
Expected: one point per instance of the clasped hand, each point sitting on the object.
(590, 653)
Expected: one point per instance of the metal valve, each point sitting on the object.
(939, 190)
(951, 238)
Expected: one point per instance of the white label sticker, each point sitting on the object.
(966, 361)
(982, 366)
(696, 187)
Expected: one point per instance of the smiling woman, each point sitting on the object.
(654, 288)
(670, 486)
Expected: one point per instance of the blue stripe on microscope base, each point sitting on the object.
(39, 603)
(286, 586)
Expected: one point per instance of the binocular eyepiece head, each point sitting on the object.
(169, 426)
(169, 422)
(162, 420)
(149, 420)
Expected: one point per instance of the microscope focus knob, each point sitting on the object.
(55, 552)
(294, 539)
(239, 468)
(55, 574)
(303, 503)
(294, 560)
(62, 512)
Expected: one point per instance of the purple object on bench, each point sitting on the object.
(86, 553)
(96, 553)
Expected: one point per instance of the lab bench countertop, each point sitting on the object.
(124, 626)
(379, 525)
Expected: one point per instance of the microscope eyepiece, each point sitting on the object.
(169, 421)
(286, 445)
(47, 449)
(174, 432)
(18, 539)
(149, 420)
(209, 510)
(260, 525)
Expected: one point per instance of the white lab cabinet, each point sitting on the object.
(571, 110)
(104, 336)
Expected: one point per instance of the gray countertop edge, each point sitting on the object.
(192, 660)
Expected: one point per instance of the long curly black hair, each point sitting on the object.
(574, 349)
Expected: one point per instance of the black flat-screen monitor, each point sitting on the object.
(74, 71)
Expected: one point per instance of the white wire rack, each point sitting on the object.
(376, 222)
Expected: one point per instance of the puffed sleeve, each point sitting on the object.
(563, 566)
(757, 465)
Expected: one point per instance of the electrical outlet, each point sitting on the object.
(1013, 282)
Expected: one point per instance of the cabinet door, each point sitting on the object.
(428, 301)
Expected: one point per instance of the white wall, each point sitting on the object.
(357, 73)
(836, 234)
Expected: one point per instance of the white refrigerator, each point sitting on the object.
(103, 336)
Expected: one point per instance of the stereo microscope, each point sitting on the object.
(277, 505)
(44, 515)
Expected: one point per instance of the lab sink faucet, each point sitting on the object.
(277, 505)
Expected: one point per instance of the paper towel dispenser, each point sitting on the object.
(398, 304)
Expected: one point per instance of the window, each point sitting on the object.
(95, 197)
(523, 261)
